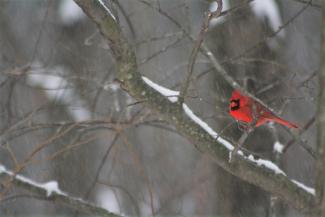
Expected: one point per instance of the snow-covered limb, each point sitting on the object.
(267, 164)
(259, 162)
(51, 191)
(128, 72)
(168, 93)
(172, 95)
(303, 186)
(107, 9)
(50, 187)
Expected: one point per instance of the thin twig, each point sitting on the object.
(162, 50)
(206, 52)
(140, 167)
(127, 18)
(269, 179)
(302, 143)
(40, 33)
(205, 26)
(280, 28)
(101, 165)
(308, 2)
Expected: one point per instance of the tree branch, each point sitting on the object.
(320, 118)
(218, 65)
(197, 45)
(50, 191)
(260, 172)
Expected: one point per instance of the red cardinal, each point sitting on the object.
(241, 108)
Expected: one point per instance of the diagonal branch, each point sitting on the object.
(204, 29)
(216, 63)
(50, 191)
(262, 173)
(320, 118)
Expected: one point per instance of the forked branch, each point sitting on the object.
(260, 172)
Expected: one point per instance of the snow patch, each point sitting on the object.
(197, 120)
(107, 199)
(170, 94)
(214, 6)
(69, 12)
(114, 86)
(266, 163)
(227, 144)
(303, 186)
(107, 9)
(268, 9)
(58, 89)
(50, 187)
(278, 147)
(2, 169)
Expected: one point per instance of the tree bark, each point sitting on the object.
(320, 163)
(132, 82)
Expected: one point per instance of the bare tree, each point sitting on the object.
(122, 125)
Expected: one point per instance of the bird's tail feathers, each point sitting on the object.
(284, 122)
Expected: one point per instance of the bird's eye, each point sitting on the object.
(234, 104)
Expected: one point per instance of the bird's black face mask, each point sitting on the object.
(234, 104)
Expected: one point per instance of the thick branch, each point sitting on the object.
(244, 167)
(320, 118)
(53, 194)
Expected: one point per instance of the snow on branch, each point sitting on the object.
(107, 9)
(303, 186)
(262, 173)
(173, 97)
(266, 163)
(51, 191)
(50, 187)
